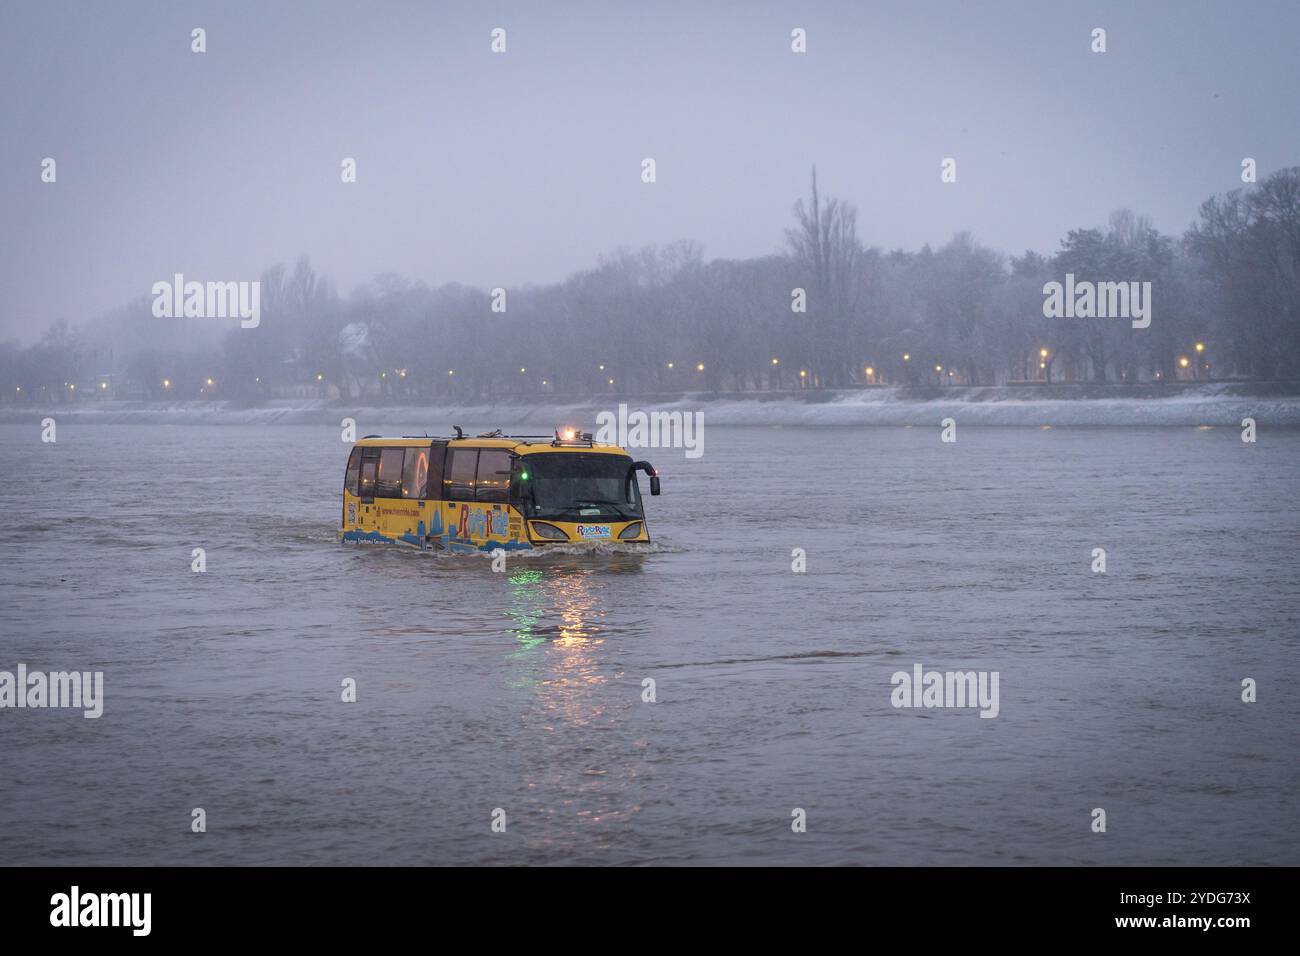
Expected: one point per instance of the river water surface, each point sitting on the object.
(523, 690)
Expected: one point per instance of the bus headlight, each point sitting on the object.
(549, 531)
(631, 531)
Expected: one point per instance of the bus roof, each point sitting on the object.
(519, 445)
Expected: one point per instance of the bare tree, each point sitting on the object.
(825, 248)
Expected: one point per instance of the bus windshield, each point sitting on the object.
(575, 486)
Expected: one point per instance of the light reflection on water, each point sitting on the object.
(526, 609)
(557, 617)
(579, 622)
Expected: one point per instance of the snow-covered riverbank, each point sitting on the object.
(1211, 404)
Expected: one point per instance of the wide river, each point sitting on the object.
(522, 691)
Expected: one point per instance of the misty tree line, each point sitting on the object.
(663, 319)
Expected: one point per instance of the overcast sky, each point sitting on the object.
(499, 169)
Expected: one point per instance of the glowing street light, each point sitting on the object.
(611, 381)
(522, 371)
(803, 373)
(1042, 353)
(907, 357)
(870, 371)
(210, 382)
(1200, 346)
(103, 386)
(602, 368)
(451, 371)
(167, 383)
(776, 361)
(938, 368)
(670, 364)
(319, 377)
(1183, 361)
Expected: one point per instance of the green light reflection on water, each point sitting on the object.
(526, 608)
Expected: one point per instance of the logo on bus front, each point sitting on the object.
(593, 531)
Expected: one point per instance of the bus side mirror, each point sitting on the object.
(649, 469)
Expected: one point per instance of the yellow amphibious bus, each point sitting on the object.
(493, 491)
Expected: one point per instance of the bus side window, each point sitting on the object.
(458, 478)
(369, 473)
(351, 476)
(415, 473)
(493, 483)
(389, 481)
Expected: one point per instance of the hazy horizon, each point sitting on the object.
(524, 167)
